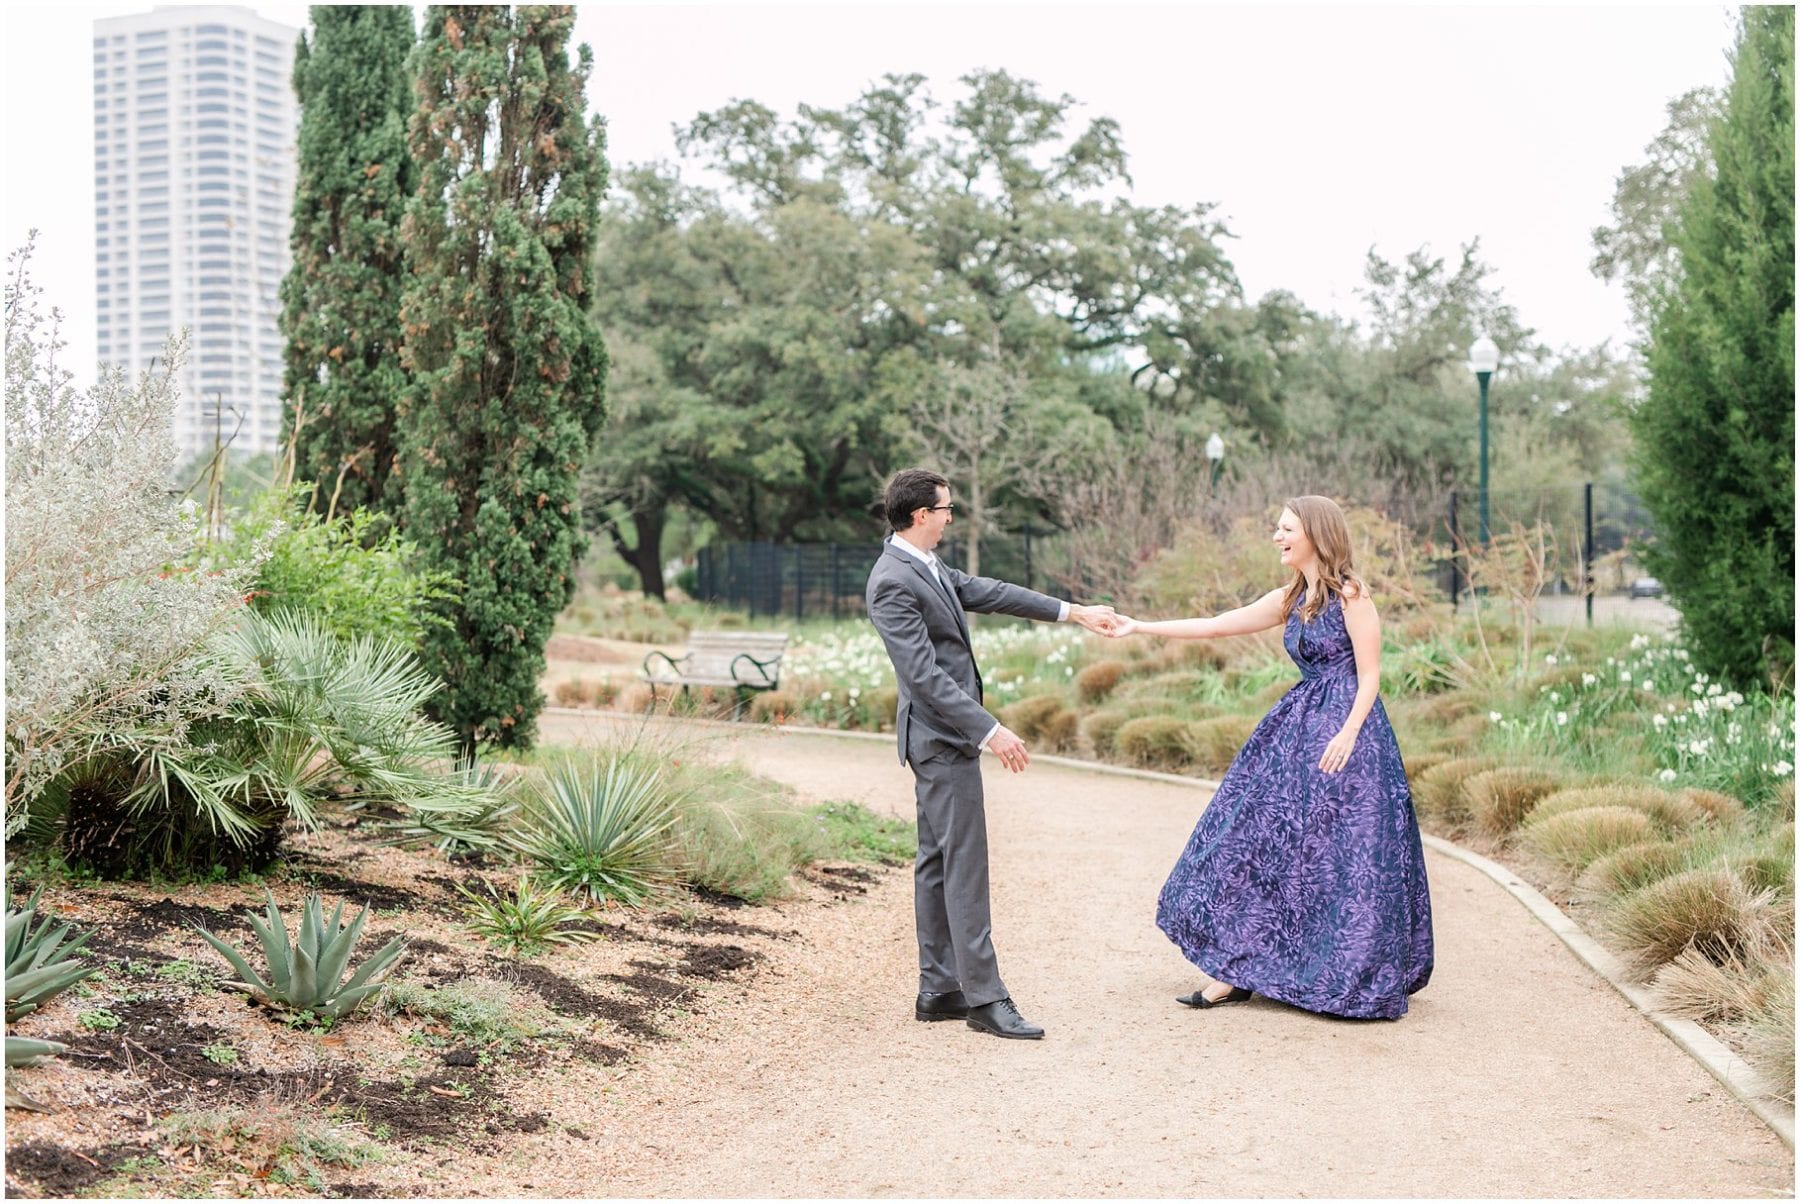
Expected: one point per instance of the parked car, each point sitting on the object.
(1646, 587)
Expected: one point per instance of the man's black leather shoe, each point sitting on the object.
(1002, 1019)
(940, 1005)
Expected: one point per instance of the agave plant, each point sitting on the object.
(308, 976)
(527, 920)
(39, 965)
(29, 1051)
(600, 828)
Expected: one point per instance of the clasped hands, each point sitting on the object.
(1102, 620)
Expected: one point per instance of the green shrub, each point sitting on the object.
(1027, 716)
(599, 826)
(1573, 839)
(1095, 682)
(351, 575)
(1500, 799)
(307, 975)
(1154, 742)
(1214, 743)
(1706, 910)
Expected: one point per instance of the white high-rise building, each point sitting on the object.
(194, 130)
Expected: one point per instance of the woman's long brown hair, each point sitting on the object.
(1324, 525)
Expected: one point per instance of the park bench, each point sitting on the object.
(743, 660)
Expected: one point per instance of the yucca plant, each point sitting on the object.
(308, 976)
(600, 828)
(526, 920)
(39, 964)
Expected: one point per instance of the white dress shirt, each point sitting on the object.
(931, 562)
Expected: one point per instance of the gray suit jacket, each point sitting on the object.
(927, 638)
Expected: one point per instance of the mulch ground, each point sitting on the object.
(161, 1038)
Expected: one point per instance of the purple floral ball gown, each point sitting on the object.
(1304, 886)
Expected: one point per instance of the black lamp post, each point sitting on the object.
(1484, 357)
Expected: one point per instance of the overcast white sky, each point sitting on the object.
(1320, 131)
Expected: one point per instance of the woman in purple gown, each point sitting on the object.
(1305, 880)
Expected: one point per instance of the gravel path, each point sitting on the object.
(1518, 1072)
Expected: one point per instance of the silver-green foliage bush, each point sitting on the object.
(99, 631)
(308, 974)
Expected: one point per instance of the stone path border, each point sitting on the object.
(1718, 1059)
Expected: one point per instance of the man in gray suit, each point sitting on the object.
(917, 604)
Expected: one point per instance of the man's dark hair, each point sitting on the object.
(906, 491)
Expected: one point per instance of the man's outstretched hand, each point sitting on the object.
(1010, 749)
(1098, 619)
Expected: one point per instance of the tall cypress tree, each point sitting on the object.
(508, 372)
(340, 302)
(1716, 431)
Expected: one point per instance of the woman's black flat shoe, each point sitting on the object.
(1199, 1000)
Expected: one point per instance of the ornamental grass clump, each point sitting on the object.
(1637, 865)
(1769, 1036)
(1500, 799)
(39, 964)
(1154, 742)
(1100, 679)
(1028, 716)
(1438, 794)
(1214, 743)
(599, 826)
(1668, 811)
(1708, 910)
(1575, 839)
(1101, 730)
(1696, 987)
(308, 975)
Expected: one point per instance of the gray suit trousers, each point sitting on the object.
(950, 880)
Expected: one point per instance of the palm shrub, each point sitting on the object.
(312, 716)
(527, 920)
(308, 974)
(39, 964)
(599, 827)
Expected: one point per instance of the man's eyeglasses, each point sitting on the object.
(950, 509)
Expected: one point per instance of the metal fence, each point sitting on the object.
(827, 579)
(1596, 528)
(1596, 525)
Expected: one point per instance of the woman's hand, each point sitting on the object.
(1123, 625)
(1337, 753)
